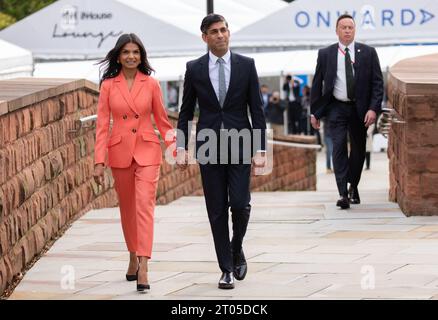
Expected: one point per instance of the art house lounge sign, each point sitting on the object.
(78, 24)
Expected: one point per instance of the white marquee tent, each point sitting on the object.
(312, 23)
(85, 29)
(300, 62)
(188, 14)
(14, 61)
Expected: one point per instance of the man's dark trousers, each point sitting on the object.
(343, 120)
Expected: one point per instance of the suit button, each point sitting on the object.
(136, 116)
(125, 117)
(134, 130)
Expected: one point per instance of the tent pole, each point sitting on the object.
(180, 92)
(285, 113)
(210, 6)
(210, 9)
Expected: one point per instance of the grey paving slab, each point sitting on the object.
(329, 268)
(384, 292)
(299, 245)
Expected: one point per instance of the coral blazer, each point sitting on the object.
(132, 135)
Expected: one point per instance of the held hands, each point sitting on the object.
(316, 124)
(98, 174)
(370, 118)
(182, 159)
(259, 163)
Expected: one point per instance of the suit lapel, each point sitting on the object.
(205, 74)
(333, 63)
(139, 82)
(233, 77)
(357, 59)
(122, 85)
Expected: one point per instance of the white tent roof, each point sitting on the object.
(305, 23)
(167, 69)
(268, 64)
(188, 14)
(84, 29)
(14, 61)
(304, 61)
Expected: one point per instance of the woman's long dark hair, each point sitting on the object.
(110, 68)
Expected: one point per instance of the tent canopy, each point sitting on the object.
(82, 29)
(188, 14)
(167, 69)
(300, 62)
(305, 23)
(14, 61)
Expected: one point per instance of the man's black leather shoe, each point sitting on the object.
(240, 266)
(226, 281)
(354, 195)
(343, 202)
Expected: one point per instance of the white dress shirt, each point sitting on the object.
(213, 68)
(340, 90)
(291, 97)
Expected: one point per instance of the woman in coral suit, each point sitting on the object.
(129, 95)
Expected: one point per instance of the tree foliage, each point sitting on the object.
(19, 9)
(5, 20)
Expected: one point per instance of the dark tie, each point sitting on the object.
(349, 75)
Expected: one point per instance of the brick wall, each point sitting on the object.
(413, 146)
(46, 167)
(294, 169)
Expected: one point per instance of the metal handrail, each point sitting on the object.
(82, 123)
(295, 144)
(89, 118)
(388, 117)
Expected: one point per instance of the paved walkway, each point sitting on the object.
(298, 246)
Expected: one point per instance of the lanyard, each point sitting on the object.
(343, 52)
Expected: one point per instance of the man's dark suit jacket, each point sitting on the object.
(295, 88)
(243, 91)
(367, 74)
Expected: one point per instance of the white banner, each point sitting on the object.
(306, 22)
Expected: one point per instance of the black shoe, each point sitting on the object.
(143, 287)
(240, 266)
(226, 281)
(140, 286)
(354, 195)
(131, 277)
(343, 202)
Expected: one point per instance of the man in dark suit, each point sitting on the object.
(291, 89)
(347, 89)
(266, 95)
(224, 84)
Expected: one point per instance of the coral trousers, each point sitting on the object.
(136, 188)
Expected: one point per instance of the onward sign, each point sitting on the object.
(367, 17)
(70, 18)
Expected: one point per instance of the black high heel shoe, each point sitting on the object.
(131, 277)
(141, 287)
